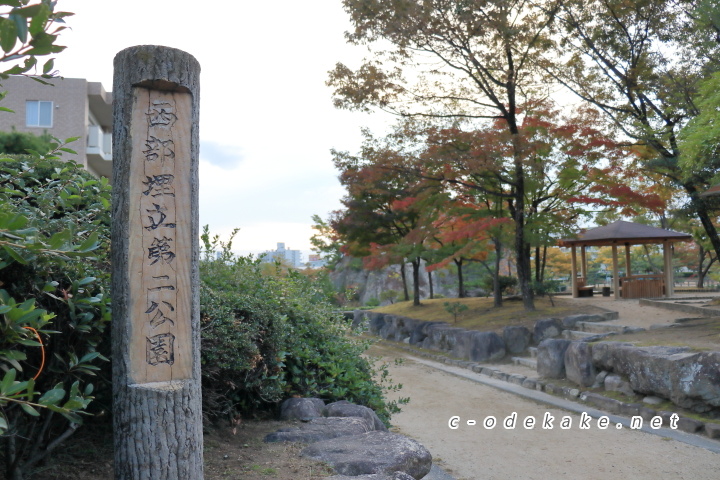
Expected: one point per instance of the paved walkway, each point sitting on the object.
(439, 392)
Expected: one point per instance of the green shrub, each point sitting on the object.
(53, 216)
(270, 337)
(390, 296)
(455, 309)
(372, 303)
(547, 287)
(20, 143)
(506, 284)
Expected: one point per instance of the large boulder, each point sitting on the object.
(387, 332)
(516, 339)
(373, 453)
(419, 332)
(551, 357)
(603, 354)
(376, 321)
(690, 380)
(547, 328)
(319, 429)
(404, 328)
(578, 364)
(344, 408)
(303, 409)
(484, 346)
(373, 476)
(441, 337)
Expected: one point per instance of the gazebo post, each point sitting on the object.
(573, 274)
(669, 277)
(628, 270)
(583, 265)
(616, 277)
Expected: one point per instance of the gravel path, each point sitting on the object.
(475, 453)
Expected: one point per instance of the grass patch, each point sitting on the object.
(482, 315)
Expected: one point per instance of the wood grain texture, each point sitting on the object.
(160, 245)
(157, 418)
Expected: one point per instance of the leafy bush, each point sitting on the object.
(546, 287)
(53, 216)
(269, 337)
(372, 303)
(506, 283)
(455, 309)
(390, 296)
(21, 143)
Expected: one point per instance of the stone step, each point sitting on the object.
(596, 327)
(577, 335)
(525, 361)
(604, 328)
(533, 352)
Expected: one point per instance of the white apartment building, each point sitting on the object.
(69, 107)
(291, 257)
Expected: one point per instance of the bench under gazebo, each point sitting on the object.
(625, 233)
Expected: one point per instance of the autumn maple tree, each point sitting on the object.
(385, 215)
(450, 59)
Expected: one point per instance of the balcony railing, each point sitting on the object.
(99, 143)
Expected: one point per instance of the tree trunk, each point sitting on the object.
(430, 282)
(416, 281)
(157, 408)
(702, 269)
(522, 248)
(404, 281)
(497, 292)
(461, 279)
(701, 209)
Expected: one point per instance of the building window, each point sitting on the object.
(38, 114)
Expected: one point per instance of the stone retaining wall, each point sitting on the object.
(472, 345)
(688, 379)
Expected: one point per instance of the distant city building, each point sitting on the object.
(292, 258)
(69, 107)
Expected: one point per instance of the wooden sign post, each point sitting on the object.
(155, 252)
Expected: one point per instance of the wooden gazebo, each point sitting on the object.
(625, 233)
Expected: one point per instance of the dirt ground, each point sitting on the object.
(228, 455)
(473, 452)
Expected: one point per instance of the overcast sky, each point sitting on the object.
(267, 123)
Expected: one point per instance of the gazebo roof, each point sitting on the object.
(712, 191)
(620, 233)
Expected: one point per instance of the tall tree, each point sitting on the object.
(473, 59)
(640, 63)
(383, 220)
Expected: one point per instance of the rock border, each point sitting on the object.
(352, 440)
(600, 402)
